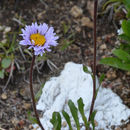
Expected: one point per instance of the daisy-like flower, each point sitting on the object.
(39, 37)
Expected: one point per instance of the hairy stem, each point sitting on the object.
(32, 93)
(94, 60)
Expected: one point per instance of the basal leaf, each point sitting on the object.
(6, 63)
(81, 110)
(74, 112)
(92, 117)
(56, 121)
(67, 118)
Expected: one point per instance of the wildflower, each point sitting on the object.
(39, 37)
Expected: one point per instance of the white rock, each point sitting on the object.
(74, 83)
(7, 29)
(1, 28)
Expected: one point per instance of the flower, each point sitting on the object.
(39, 37)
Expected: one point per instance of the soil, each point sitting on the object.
(75, 44)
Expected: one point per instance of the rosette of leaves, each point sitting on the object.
(57, 120)
(122, 53)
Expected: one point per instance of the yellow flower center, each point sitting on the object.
(38, 39)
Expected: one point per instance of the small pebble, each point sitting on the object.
(1, 28)
(64, 124)
(26, 106)
(76, 11)
(103, 47)
(7, 29)
(4, 96)
(85, 21)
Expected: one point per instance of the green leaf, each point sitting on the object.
(81, 110)
(66, 44)
(56, 121)
(124, 37)
(115, 62)
(92, 117)
(109, 2)
(125, 47)
(128, 14)
(37, 96)
(74, 112)
(67, 118)
(101, 78)
(85, 69)
(12, 47)
(65, 28)
(32, 119)
(6, 63)
(127, 3)
(126, 27)
(121, 54)
(2, 73)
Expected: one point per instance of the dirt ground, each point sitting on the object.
(75, 44)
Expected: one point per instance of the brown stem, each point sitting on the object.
(32, 94)
(94, 60)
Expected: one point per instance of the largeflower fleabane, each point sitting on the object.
(39, 37)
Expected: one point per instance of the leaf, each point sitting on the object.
(85, 69)
(56, 121)
(101, 78)
(12, 47)
(66, 44)
(92, 117)
(127, 3)
(126, 27)
(128, 14)
(121, 54)
(32, 119)
(115, 62)
(109, 2)
(2, 73)
(67, 118)
(125, 47)
(65, 28)
(6, 63)
(81, 110)
(39, 93)
(124, 37)
(74, 112)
